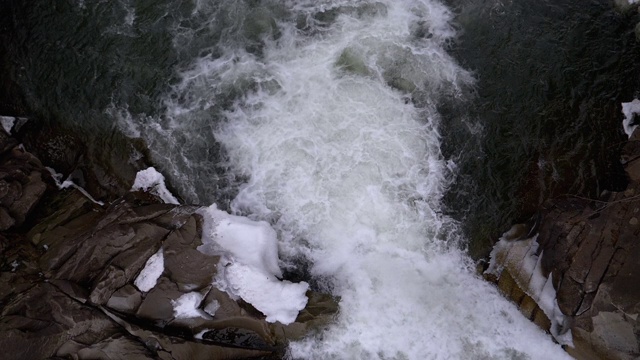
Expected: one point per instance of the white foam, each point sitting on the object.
(152, 181)
(153, 268)
(350, 174)
(629, 110)
(249, 264)
(186, 306)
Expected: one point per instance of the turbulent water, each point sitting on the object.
(324, 118)
(332, 131)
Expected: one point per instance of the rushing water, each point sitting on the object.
(325, 118)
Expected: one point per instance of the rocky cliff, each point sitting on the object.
(72, 278)
(589, 251)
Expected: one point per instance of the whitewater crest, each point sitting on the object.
(326, 114)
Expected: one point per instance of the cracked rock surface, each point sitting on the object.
(68, 285)
(592, 250)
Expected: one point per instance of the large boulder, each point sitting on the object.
(589, 250)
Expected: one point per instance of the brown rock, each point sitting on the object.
(157, 305)
(190, 269)
(36, 323)
(126, 300)
(6, 221)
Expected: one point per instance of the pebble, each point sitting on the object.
(633, 221)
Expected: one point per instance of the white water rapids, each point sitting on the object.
(348, 170)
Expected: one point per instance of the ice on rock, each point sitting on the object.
(148, 277)
(249, 264)
(525, 266)
(629, 110)
(151, 180)
(186, 306)
(57, 178)
(7, 123)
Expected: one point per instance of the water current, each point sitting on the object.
(367, 133)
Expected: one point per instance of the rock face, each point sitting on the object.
(591, 250)
(21, 184)
(70, 287)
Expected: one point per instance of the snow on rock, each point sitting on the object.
(525, 266)
(250, 242)
(57, 177)
(148, 277)
(248, 266)
(278, 300)
(629, 110)
(152, 181)
(186, 306)
(7, 123)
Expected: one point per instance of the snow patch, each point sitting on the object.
(278, 300)
(186, 306)
(57, 177)
(525, 266)
(148, 277)
(629, 110)
(152, 181)
(249, 242)
(248, 266)
(7, 123)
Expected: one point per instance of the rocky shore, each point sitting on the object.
(589, 251)
(71, 283)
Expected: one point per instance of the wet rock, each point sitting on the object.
(38, 322)
(157, 304)
(105, 169)
(591, 250)
(92, 255)
(125, 300)
(6, 221)
(68, 285)
(21, 183)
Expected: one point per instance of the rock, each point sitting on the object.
(67, 285)
(96, 254)
(6, 221)
(157, 306)
(39, 321)
(591, 250)
(21, 183)
(31, 194)
(516, 268)
(126, 300)
(106, 170)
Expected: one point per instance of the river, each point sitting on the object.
(387, 142)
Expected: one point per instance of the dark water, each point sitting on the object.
(544, 119)
(551, 77)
